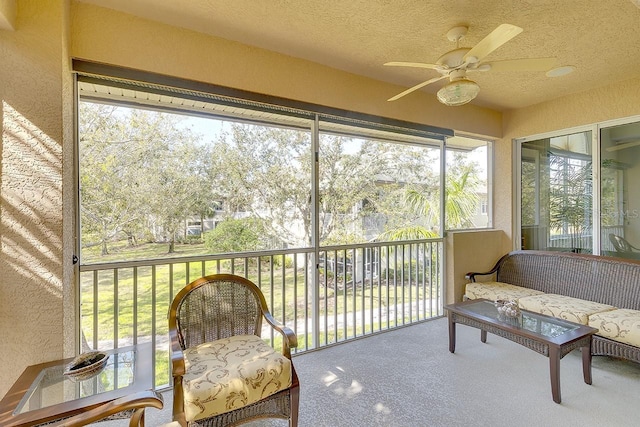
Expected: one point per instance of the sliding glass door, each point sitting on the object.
(620, 193)
(556, 193)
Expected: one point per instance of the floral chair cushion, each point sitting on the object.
(620, 325)
(563, 307)
(230, 373)
(497, 290)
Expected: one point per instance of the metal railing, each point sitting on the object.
(337, 294)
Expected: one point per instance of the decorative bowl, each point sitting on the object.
(86, 365)
(507, 308)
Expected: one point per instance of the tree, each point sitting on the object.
(265, 172)
(529, 193)
(461, 198)
(108, 180)
(354, 175)
(177, 189)
(139, 169)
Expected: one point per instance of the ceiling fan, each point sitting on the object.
(456, 63)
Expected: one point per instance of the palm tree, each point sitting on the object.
(570, 200)
(461, 201)
(461, 198)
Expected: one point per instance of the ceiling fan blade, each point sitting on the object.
(532, 64)
(416, 87)
(623, 146)
(413, 64)
(494, 40)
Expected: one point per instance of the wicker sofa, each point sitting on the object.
(599, 291)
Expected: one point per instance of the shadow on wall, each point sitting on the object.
(30, 233)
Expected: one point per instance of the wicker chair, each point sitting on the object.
(134, 403)
(205, 316)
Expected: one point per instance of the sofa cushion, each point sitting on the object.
(497, 290)
(230, 373)
(568, 308)
(619, 325)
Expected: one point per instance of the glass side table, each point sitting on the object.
(43, 393)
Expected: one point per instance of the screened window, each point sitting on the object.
(164, 176)
(376, 186)
(174, 174)
(468, 195)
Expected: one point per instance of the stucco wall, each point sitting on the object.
(468, 251)
(31, 209)
(601, 104)
(107, 36)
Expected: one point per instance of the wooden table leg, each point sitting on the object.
(586, 363)
(554, 368)
(452, 333)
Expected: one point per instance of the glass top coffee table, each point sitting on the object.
(549, 336)
(43, 393)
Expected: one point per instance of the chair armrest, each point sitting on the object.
(136, 401)
(472, 275)
(177, 356)
(289, 338)
(177, 371)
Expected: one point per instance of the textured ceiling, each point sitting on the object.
(601, 38)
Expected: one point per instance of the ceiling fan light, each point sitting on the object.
(458, 92)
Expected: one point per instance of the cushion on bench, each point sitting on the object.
(568, 308)
(620, 325)
(497, 290)
(229, 373)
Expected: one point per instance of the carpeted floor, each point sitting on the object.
(408, 378)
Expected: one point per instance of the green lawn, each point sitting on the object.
(121, 251)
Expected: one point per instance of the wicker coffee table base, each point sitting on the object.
(553, 351)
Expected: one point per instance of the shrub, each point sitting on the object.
(235, 235)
